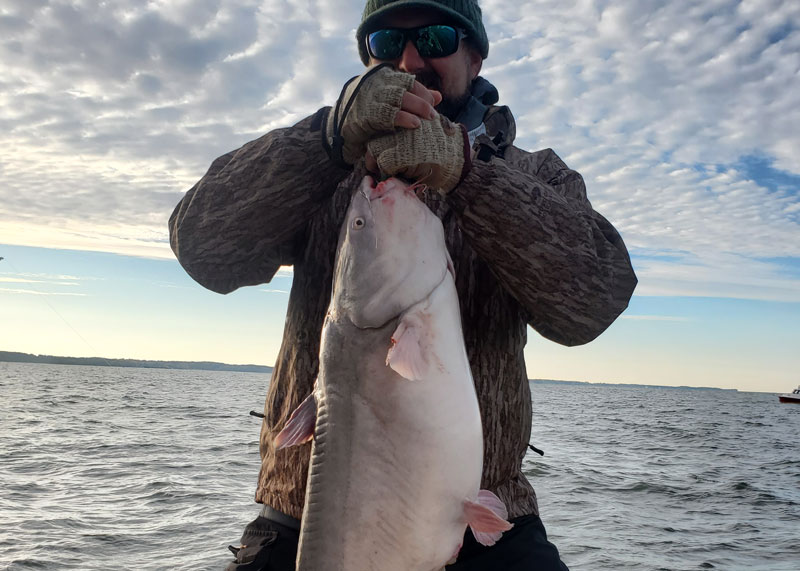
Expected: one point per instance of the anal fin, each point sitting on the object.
(487, 517)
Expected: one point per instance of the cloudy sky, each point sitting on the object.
(682, 116)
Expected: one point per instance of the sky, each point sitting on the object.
(683, 117)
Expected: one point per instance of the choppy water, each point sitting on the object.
(144, 469)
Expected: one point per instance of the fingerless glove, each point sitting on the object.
(436, 154)
(367, 107)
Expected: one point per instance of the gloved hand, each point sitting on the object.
(436, 154)
(367, 107)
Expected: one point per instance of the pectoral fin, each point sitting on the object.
(299, 428)
(487, 518)
(405, 355)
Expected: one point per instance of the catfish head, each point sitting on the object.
(391, 254)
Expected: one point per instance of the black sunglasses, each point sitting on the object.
(437, 40)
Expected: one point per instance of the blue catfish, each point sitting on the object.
(397, 450)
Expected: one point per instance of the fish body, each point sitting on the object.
(397, 451)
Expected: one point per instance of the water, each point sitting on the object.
(145, 469)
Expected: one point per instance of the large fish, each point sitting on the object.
(397, 447)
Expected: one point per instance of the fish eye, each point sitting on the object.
(358, 223)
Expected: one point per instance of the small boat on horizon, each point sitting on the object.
(793, 397)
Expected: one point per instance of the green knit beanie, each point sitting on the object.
(464, 13)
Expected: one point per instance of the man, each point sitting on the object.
(526, 245)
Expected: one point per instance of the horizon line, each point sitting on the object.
(41, 359)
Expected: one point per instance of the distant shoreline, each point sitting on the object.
(631, 385)
(13, 357)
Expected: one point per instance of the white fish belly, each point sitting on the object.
(393, 459)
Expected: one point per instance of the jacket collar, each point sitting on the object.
(481, 116)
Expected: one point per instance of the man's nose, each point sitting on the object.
(410, 61)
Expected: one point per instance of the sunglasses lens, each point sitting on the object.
(437, 41)
(431, 42)
(386, 44)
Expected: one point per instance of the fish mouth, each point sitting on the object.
(373, 189)
(379, 190)
(367, 189)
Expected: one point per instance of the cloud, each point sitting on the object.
(718, 275)
(681, 116)
(42, 284)
(30, 281)
(654, 318)
(12, 291)
(661, 106)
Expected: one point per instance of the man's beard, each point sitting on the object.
(451, 105)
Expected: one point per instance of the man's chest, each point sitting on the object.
(490, 315)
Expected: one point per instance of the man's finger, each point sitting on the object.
(430, 96)
(417, 106)
(371, 163)
(406, 120)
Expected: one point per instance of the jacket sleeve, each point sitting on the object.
(246, 217)
(527, 216)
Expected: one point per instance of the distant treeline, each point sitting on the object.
(13, 357)
(631, 385)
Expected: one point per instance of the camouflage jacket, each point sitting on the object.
(527, 247)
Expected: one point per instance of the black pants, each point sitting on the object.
(265, 546)
(270, 546)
